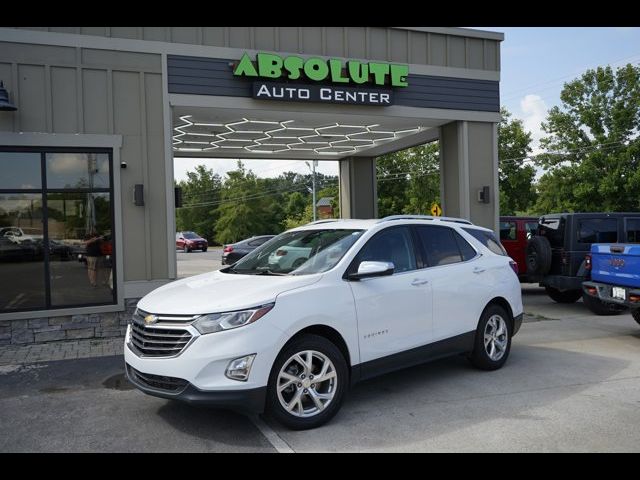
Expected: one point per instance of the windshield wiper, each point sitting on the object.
(269, 272)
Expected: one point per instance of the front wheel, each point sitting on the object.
(307, 383)
(493, 339)
(204, 249)
(635, 313)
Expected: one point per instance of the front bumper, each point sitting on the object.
(604, 293)
(250, 400)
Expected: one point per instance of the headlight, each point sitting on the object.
(217, 322)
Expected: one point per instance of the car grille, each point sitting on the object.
(157, 382)
(158, 342)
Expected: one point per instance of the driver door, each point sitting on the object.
(394, 312)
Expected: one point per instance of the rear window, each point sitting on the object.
(488, 239)
(633, 230)
(530, 228)
(598, 230)
(553, 230)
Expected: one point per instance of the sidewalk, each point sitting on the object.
(47, 352)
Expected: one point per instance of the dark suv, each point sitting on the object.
(556, 252)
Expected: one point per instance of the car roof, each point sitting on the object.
(368, 224)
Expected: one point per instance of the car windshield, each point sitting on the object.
(298, 253)
(190, 235)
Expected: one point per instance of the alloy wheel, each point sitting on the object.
(307, 383)
(496, 337)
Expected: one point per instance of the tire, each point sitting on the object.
(599, 307)
(567, 296)
(204, 249)
(308, 414)
(491, 356)
(538, 255)
(635, 313)
(186, 249)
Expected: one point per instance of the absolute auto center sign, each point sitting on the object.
(297, 79)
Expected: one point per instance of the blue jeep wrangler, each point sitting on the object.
(614, 282)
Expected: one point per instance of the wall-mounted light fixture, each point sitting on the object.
(483, 195)
(5, 104)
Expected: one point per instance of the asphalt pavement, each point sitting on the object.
(572, 383)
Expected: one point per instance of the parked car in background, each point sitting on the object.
(189, 241)
(515, 233)
(18, 235)
(233, 252)
(556, 253)
(614, 278)
(373, 297)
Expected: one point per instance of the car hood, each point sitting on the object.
(218, 292)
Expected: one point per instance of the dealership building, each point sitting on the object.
(92, 117)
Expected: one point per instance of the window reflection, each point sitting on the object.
(21, 256)
(20, 170)
(77, 170)
(81, 248)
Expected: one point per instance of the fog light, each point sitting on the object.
(240, 368)
(592, 291)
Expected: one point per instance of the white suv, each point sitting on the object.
(373, 296)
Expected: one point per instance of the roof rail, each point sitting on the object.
(327, 220)
(424, 217)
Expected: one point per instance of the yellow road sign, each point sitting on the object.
(436, 211)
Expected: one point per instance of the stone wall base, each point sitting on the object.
(69, 327)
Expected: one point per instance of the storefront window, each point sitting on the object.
(56, 227)
(21, 257)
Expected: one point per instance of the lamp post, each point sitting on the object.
(313, 171)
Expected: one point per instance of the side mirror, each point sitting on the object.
(372, 269)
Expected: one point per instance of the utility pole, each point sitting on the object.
(313, 171)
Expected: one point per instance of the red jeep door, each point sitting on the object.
(513, 238)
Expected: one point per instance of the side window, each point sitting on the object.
(598, 230)
(440, 245)
(488, 239)
(467, 251)
(258, 242)
(633, 230)
(507, 231)
(392, 245)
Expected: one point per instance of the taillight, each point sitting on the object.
(228, 249)
(281, 253)
(587, 261)
(514, 266)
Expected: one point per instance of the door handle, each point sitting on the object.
(417, 282)
(478, 270)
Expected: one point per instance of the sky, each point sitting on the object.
(535, 64)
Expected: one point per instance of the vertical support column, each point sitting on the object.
(358, 188)
(469, 153)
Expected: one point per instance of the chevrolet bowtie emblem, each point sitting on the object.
(150, 319)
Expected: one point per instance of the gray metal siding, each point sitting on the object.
(65, 90)
(375, 43)
(207, 76)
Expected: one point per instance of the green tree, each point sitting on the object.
(408, 180)
(596, 148)
(200, 194)
(517, 190)
(241, 206)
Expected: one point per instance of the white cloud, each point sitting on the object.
(262, 168)
(533, 111)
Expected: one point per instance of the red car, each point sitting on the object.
(189, 241)
(514, 234)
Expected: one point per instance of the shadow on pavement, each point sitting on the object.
(410, 407)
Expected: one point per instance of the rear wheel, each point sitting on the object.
(567, 296)
(307, 383)
(599, 307)
(636, 315)
(493, 339)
